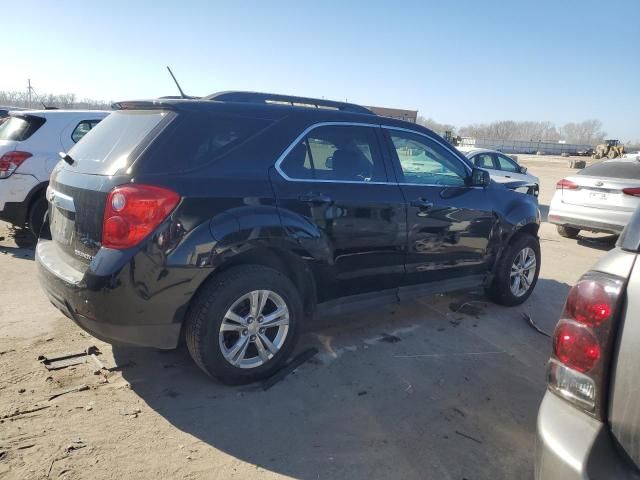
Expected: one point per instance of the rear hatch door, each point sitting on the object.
(624, 397)
(102, 160)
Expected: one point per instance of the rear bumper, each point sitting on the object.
(572, 445)
(584, 224)
(587, 218)
(131, 301)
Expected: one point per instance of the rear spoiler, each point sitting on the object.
(143, 105)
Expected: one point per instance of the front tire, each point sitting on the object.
(567, 232)
(517, 271)
(244, 324)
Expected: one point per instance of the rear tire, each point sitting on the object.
(37, 213)
(567, 232)
(221, 318)
(502, 289)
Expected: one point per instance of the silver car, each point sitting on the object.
(589, 420)
(501, 168)
(599, 198)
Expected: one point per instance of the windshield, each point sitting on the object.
(20, 128)
(108, 146)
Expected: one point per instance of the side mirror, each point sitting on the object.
(479, 178)
(523, 169)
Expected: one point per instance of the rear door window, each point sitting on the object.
(337, 153)
(107, 148)
(82, 129)
(20, 127)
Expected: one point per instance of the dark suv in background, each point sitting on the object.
(230, 219)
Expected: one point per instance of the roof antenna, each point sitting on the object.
(182, 94)
(38, 98)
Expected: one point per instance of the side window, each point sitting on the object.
(424, 161)
(337, 153)
(197, 139)
(484, 160)
(507, 164)
(82, 129)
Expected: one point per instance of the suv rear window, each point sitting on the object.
(108, 146)
(614, 169)
(19, 128)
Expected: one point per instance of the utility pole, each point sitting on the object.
(29, 92)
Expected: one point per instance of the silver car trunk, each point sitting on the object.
(599, 192)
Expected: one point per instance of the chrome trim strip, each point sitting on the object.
(359, 124)
(60, 200)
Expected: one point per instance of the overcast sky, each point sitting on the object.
(458, 62)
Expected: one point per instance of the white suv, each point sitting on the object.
(30, 141)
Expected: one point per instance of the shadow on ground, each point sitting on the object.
(604, 243)
(438, 402)
(18, 243)
(544, 212)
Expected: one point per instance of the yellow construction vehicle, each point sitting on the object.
(609, 149)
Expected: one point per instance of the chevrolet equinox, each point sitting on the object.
(229, 220)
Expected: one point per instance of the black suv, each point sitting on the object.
(231, 219)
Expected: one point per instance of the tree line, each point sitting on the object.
(588, 132)
(65, 100)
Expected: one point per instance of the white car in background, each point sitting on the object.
(599, 198)
(501, 168)
(30, 142)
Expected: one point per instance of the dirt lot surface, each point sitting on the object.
(432, 388)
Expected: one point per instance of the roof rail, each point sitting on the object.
(278, 99)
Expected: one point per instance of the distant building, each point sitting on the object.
(406, 115)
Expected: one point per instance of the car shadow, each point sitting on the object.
(604, 243)
(17, 242)
(368, 405)
(24, 253)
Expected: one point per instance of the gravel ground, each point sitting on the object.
(419, 390)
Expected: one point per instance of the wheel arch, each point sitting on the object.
(531, 228)
(287, 263)
(35, 193)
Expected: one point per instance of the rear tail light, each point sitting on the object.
(635, 192)
(133, 211)
(582, 342)
(565, 184)
(10, 161)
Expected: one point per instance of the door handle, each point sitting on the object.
(315, 198)
(422, 203)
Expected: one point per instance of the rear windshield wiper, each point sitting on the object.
(67, 158)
